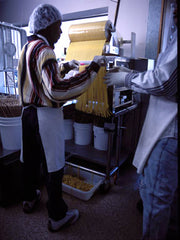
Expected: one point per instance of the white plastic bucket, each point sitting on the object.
(10, 120)
(82, 133)
(10, 129)
(68, 129)
(100, 138)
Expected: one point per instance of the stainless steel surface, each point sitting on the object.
(86, 169)
(113, 46)
(121, 98)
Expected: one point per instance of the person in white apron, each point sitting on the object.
(156, 153)
(43, 91)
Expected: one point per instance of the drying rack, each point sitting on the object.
(12, 39)
(103, 163)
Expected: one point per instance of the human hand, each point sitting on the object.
(74, 64)
(115, 78)
(100, 60)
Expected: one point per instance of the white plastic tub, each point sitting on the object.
(10, 129)
(82, 133)
(88, 177)
(100, 138)
(68, 129)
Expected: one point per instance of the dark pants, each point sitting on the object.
(34, 158)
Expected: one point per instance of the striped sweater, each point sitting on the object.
(41, 81)
(161, 85)
(162, 81)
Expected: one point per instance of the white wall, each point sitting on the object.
(132, 17)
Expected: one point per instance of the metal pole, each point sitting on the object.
(117, 10)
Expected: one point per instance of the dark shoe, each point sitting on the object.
(139, 206)
(29, 206)
(70, 218)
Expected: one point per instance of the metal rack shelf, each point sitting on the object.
(87, 152)
(84, 155)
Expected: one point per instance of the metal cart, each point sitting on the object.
(104, 163)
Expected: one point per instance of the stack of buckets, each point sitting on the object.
(83, 132)
(10, 130)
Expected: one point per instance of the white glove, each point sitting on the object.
(74, 64)
(115, 78)
(100, 60)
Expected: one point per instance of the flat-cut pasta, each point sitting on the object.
(95, 99)
(76, 182)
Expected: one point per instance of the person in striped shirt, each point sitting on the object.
(156, 153)
(43, 90)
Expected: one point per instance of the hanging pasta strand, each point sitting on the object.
(95, 99)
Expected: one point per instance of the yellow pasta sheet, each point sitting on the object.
(88, 31)
(87, 40)
(85, 50)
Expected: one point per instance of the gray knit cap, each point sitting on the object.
(43, 16)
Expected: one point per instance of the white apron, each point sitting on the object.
(52, 136)
(159, 115)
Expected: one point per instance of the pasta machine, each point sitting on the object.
(121, 97)
(99, 38)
